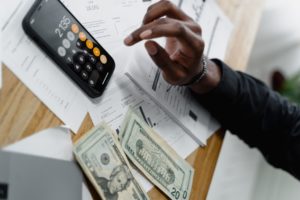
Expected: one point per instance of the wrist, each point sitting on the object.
(196, 79)
(208, 82)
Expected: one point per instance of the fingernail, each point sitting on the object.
(128, 40)
(151, 48)
(145, 34)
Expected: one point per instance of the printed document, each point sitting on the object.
(109, 22)
(124, 94)
(38, 72)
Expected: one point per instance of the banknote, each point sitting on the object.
(155, 158)
(101, 157)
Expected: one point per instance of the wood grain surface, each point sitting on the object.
(22, 114)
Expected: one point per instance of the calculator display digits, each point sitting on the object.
(69, 44)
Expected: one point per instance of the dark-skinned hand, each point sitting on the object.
(180, 59)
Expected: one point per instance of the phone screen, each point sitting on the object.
(54, 25)
(72, 47)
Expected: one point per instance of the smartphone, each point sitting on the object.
(63, 38)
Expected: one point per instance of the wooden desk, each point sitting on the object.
(22, 114)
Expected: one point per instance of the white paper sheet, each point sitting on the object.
(38, 72)
(109, 21)
(53, 143)
(216, 26)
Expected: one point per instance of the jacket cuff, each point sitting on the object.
(227, 87)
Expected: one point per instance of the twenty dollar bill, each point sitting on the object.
(155, 158)
(103, 161)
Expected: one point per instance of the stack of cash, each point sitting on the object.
(102, 158)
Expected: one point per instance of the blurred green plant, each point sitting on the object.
(288, 87)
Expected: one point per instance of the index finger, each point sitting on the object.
(164, 8)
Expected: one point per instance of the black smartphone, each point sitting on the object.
(63, 38)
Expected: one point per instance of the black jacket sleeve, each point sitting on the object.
(258, 115)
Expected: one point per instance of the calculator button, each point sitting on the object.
(66, 43)
(79, 44)
(71, 36)
(88, 67)
(81, 59)
(103, 59)
(96, 51)
(77, 68)
(86, 52)
(82, 36)
(74, 51)
(92, 59)
(69, 60)
(61, 51)
(89, 44)
(92, 83)
(84, 75)
(94, 78)
(75, 28)
(99, 67)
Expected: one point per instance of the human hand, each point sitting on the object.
(181, 59)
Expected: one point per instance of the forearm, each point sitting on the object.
(256, 114)
(241, 103)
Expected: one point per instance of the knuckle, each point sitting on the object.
(135, 35)
(150, 8)
(163, 21)
(199, 44)
(196, 28)
(180, 28)
(148, 16)
(167, 4)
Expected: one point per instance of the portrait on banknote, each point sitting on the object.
(119, 180)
